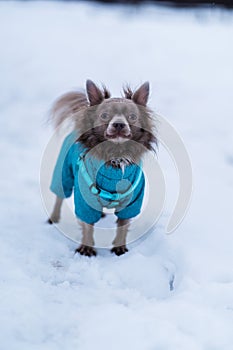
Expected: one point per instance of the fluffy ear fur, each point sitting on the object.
(141, 95)
(95, 95)
(128, 92)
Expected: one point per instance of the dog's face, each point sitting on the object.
(119, 121)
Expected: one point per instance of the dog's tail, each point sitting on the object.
(67, 106)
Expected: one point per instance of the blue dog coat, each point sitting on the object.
(95, 184)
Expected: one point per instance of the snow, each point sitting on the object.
(51, 299)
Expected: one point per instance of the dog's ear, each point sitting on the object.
(94, 94)
(141, 95)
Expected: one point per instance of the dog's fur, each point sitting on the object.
(117, 130)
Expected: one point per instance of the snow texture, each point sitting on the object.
(169, 292)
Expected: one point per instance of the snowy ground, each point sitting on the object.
(51, 299)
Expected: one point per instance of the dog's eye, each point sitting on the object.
(133, 117)
(105, 116)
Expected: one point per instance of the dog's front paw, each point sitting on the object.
(86, 250)
(53, 220)
(122, 249)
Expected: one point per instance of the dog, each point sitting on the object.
(101, 160)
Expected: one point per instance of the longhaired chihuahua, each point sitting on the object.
(101, 160)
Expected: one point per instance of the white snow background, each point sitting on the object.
(51, 299)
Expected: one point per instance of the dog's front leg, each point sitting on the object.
(119, 242)
(56, 214)
(86, 248)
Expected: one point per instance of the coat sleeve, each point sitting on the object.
(134, 207)
(63, 178)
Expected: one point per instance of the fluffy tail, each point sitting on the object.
(66, 107)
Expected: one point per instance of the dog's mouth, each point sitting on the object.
(118, 131)
(118, 137)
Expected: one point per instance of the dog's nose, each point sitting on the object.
(118, 126)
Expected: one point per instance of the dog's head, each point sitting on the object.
(124, 126)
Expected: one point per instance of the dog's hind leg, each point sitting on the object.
(56, 214)
(86, 248)
(119, 243)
